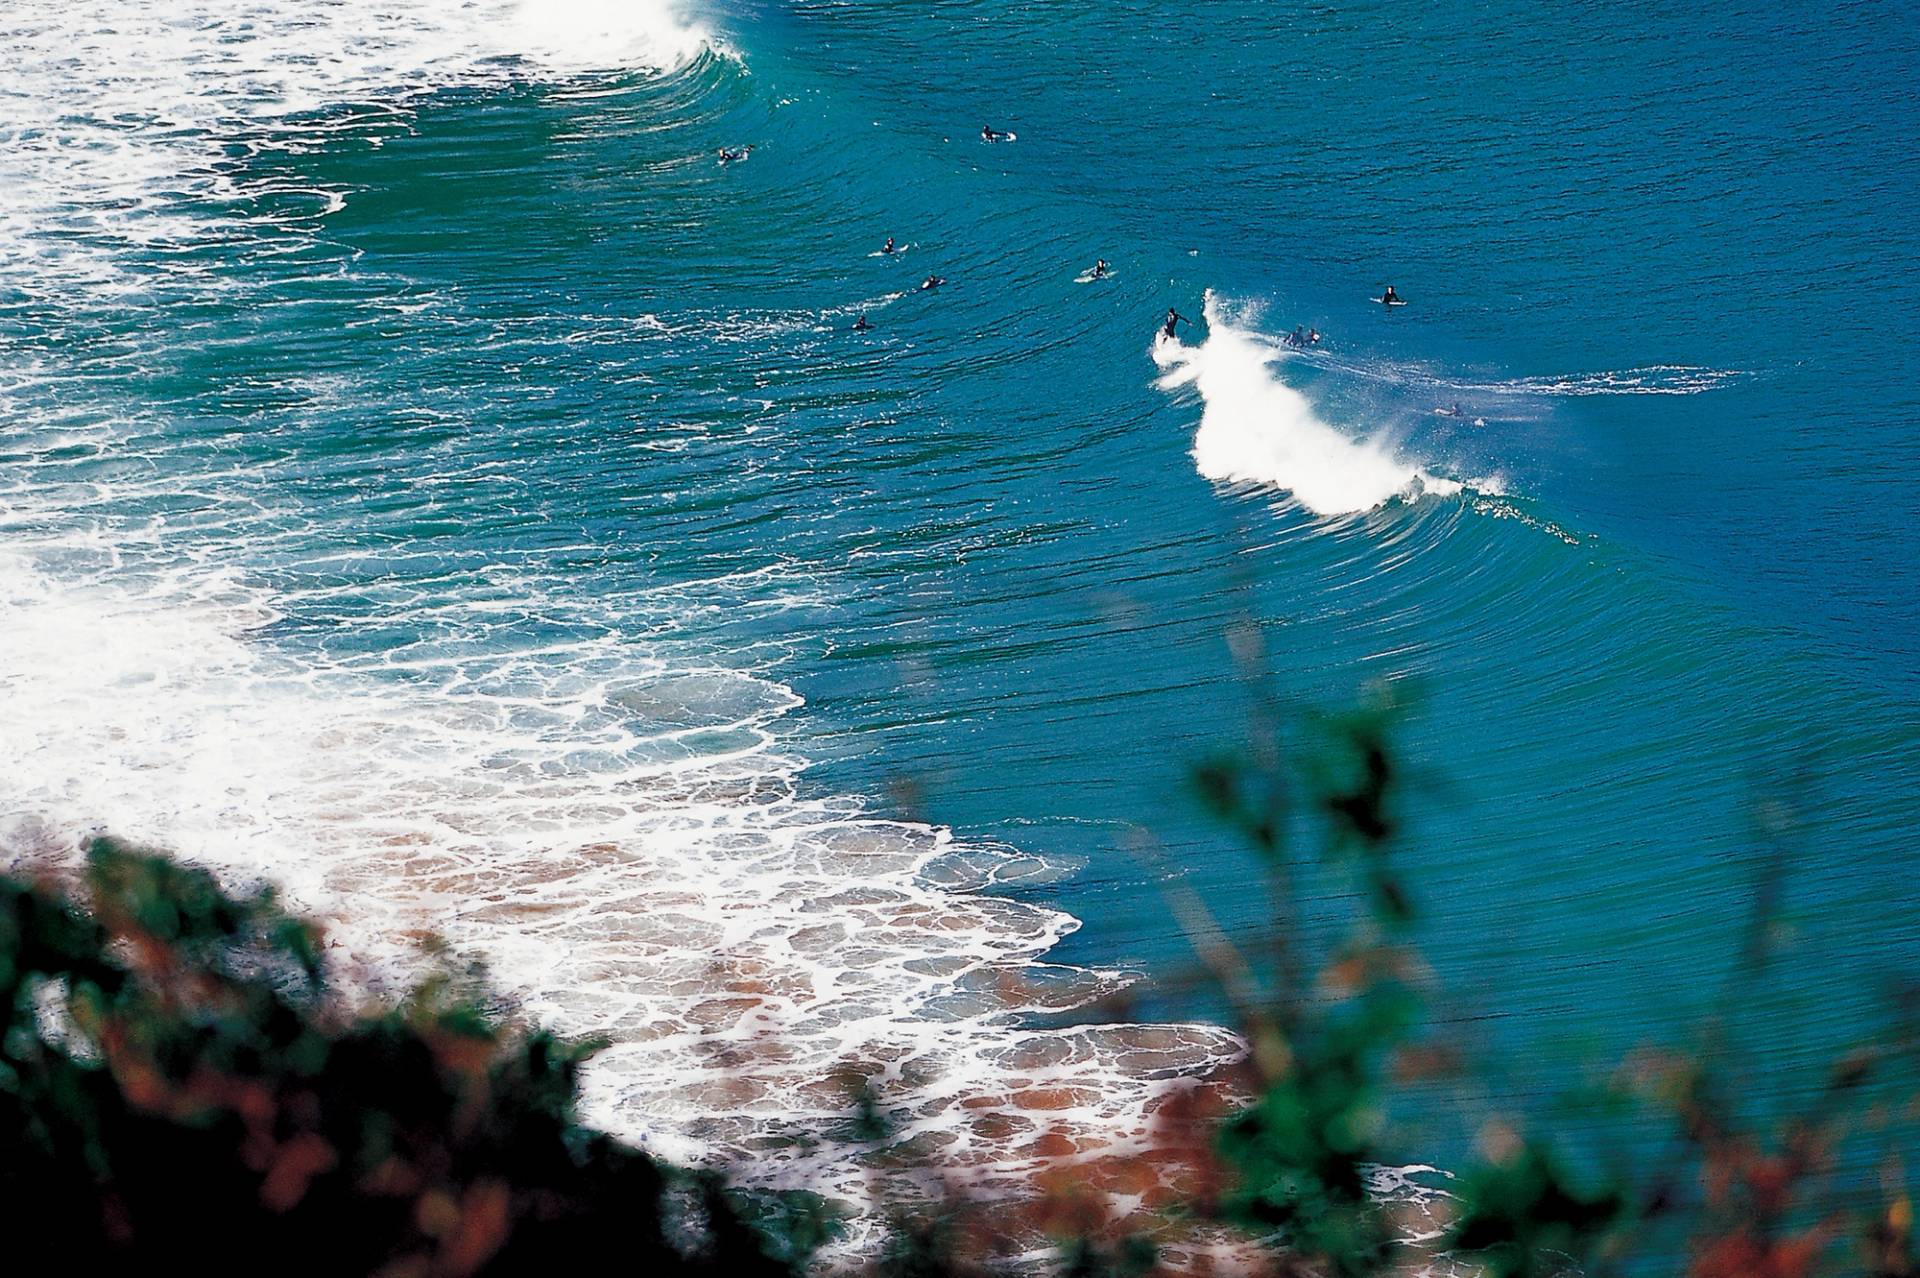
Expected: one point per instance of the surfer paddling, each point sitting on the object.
(990, 134)
(932, 282)
(728, 156)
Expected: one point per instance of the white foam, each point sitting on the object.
(119, 118)
(600, 35)
(1255, 428)
(623, 838)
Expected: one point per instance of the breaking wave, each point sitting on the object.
(1255, 428)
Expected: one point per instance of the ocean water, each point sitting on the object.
(430, 480)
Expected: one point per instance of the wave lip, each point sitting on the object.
(1254, 428)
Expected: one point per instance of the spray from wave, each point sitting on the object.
(1652, 379)
(1256, 429)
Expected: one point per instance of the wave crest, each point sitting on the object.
(1254, 428)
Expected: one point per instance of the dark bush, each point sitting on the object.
(181, 1090)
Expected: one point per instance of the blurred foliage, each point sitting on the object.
(1338, 1030)
(181, 1084)
(181, 1089)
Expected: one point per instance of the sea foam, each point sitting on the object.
(620, 831)
(120, 118)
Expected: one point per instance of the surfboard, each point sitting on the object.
(1398, 301)
(1002, 137)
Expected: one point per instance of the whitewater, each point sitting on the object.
(1257, 429)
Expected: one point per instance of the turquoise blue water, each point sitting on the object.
(431, 477)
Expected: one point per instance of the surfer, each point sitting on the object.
(1313, 337)
(1174, 320)
(932, 281)
(728, 157)
(1298, 337)
(860, 325)
(888, 246)
(1100, 269)
(1391, 298)
(990, 134)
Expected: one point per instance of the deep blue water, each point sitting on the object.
(490, 389)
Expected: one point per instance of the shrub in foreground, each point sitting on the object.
(181, 1089)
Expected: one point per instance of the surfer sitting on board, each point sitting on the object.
(1391, 298)
(860, 325)
(888, 246)
(1100, 269)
